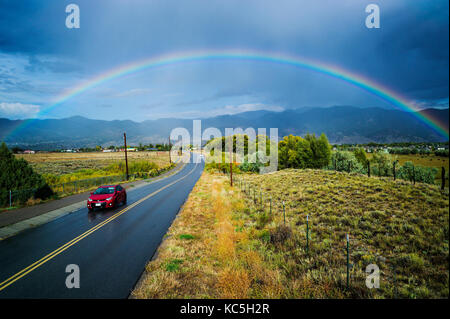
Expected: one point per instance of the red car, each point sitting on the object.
(107, 196)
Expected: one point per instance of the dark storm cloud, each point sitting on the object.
(21, 28)
(409, 53)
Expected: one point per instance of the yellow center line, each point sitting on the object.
(56, 252)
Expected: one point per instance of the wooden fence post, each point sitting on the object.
(307, 234)
(348, 262)
(443, 178)
(368, 168)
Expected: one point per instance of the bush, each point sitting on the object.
(361, 156)
(346, 162)
(382, 164)
(252, 163)
(443, 153)
(280, 234)
(17, 175)
(421, 174)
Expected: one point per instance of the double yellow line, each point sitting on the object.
(64, 247)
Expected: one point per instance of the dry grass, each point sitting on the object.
(188, 240)
(403, 228)
(67, 163)
(223, 244)
(212, 249)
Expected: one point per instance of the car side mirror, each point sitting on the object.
(92, 193)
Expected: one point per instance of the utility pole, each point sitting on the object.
(126, 157)
(231, 162)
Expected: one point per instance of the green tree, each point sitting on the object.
(18, 176)
(418, 173)
(383, 164)
(361, 156)
(308, 152)
(321, 150)
(346, 161)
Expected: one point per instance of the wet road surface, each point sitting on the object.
(110, 247)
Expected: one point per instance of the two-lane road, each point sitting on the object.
(111, 248)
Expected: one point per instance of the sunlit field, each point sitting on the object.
(68, 163)
(233, 242)
(423, 160)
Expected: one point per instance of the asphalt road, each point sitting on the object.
(111, 248)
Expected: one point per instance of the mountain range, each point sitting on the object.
(341, 124)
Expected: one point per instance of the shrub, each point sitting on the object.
(421, 174)
(186, 236)
(173, 265)
(17, 175)
(443, 153)
(346, 161)
(280, 234)
(360, 155)
(382, 164)
(252, 163)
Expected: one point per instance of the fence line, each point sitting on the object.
(346, 272)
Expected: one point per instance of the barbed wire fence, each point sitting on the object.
(350, 276)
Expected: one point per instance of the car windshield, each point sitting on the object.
(104, 190)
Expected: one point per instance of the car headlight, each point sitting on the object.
(89, 200)
(109, 198)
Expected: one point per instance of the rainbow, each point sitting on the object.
(171, 59)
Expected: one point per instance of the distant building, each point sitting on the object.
(28, 152)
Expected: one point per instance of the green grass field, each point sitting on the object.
(402, 228)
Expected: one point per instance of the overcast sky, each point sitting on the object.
(40, 58)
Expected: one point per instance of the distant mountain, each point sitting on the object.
(342, 124)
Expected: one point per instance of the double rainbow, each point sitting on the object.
(308, 64)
